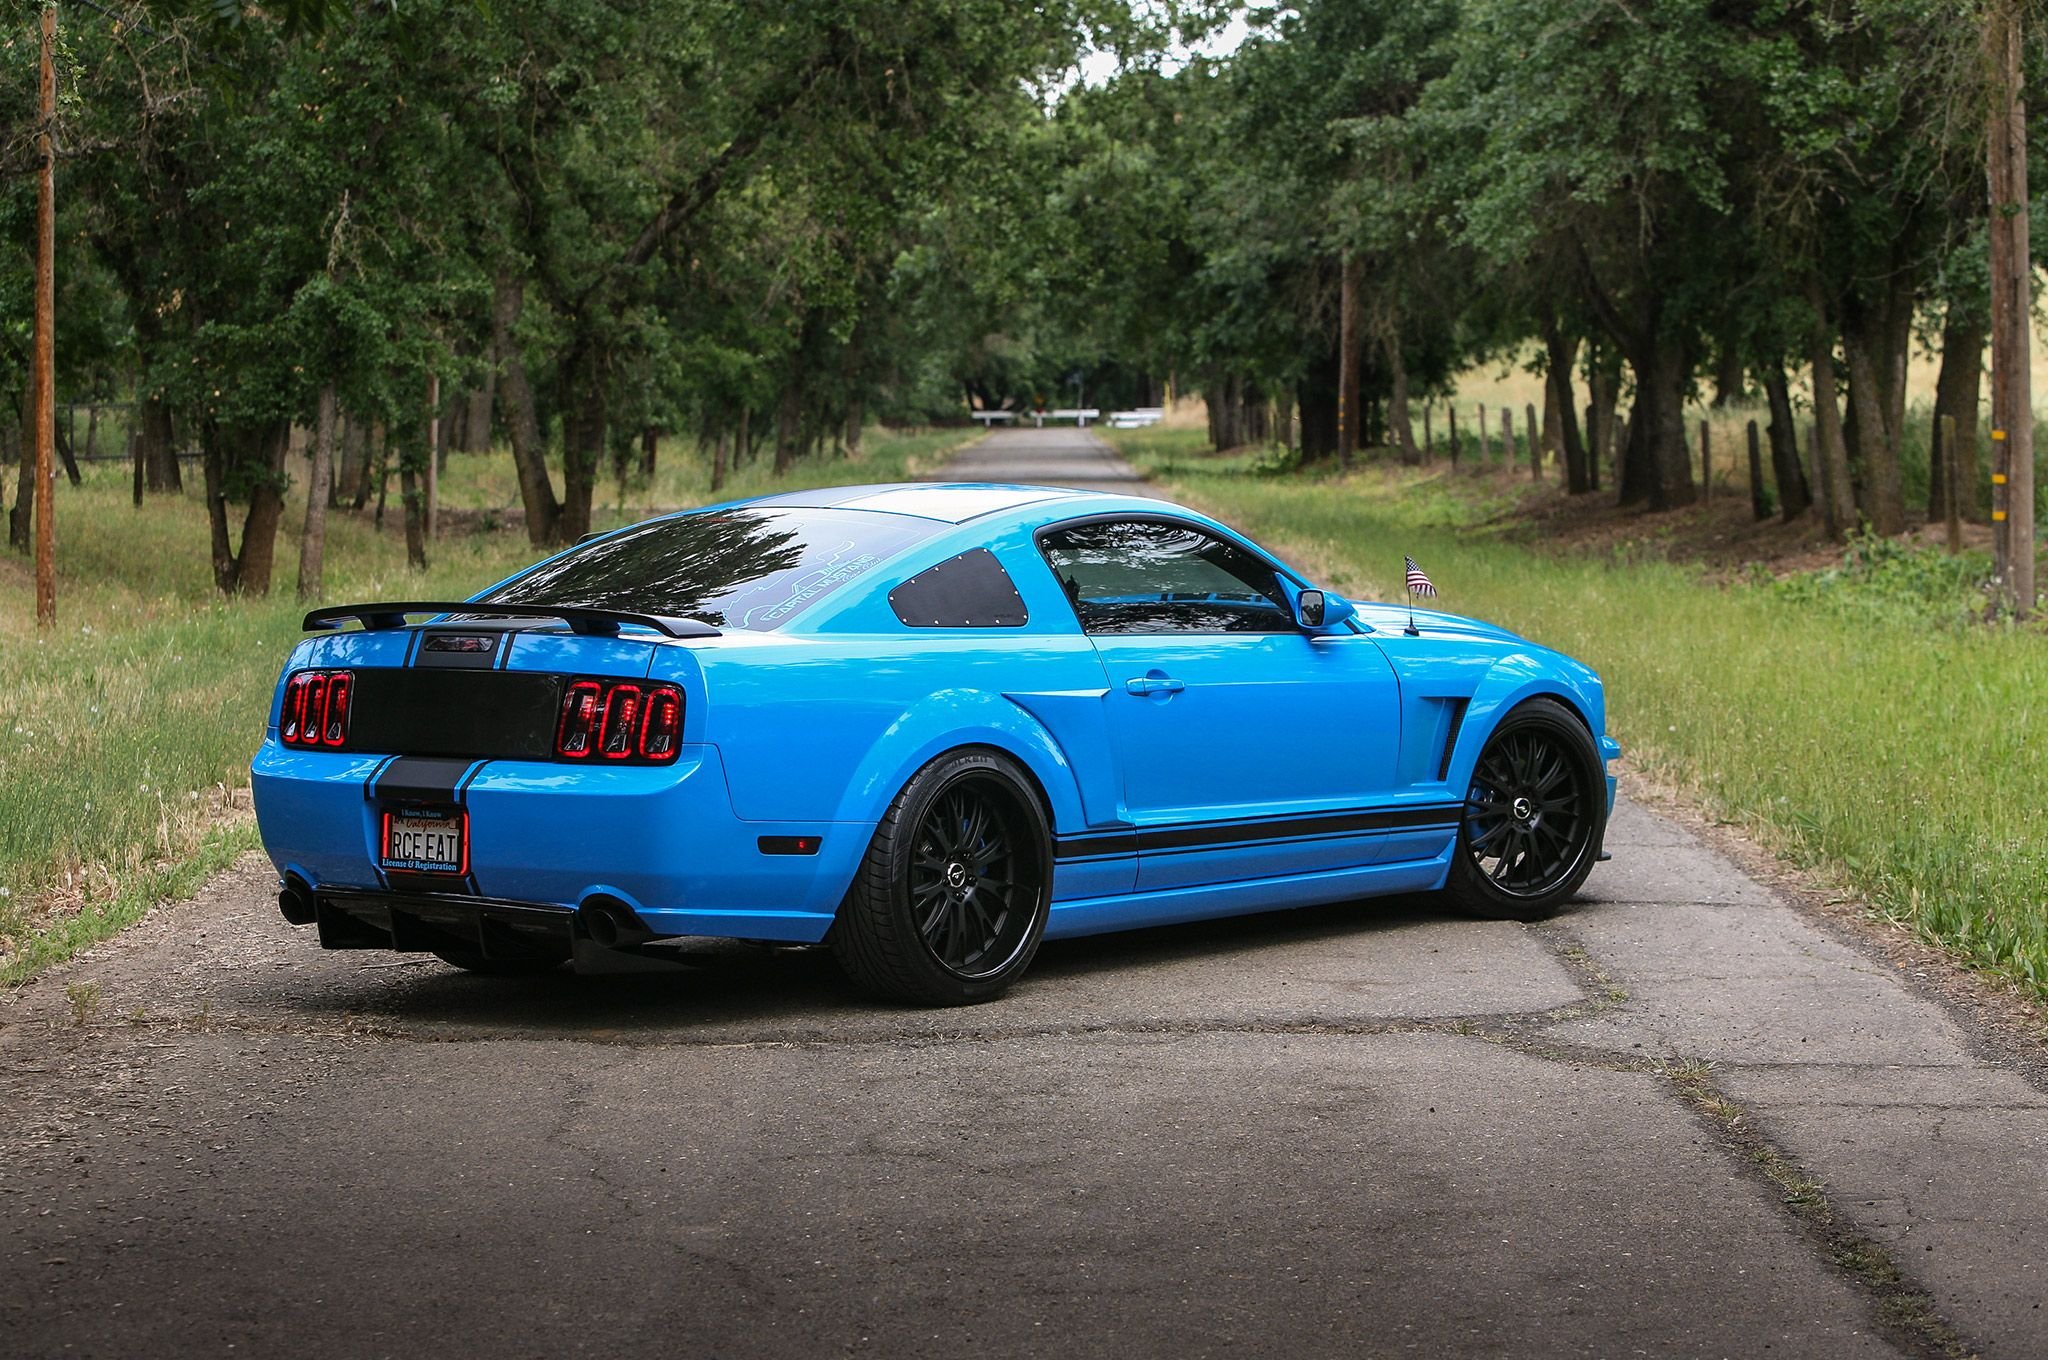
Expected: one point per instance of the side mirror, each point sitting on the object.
(1319, 610)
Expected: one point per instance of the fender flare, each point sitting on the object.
(1510, 682)
(948, 721)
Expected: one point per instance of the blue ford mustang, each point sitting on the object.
(929, 725)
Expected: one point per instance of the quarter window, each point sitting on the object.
(1162, 576)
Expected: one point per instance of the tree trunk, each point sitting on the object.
(1604, 386)
(157, 446)
(1348, 412)
(855, 419)
(1759, 502)
(718, 462)
(266, 514)
(536, 490)
(1657, 467)
(313, 540)
(1404, 428)
(1868, 341)
(1563, 352)
(348, 465)
(415, 510)
(584, 379)
(479, 408)
(437, 455)
(1794, 497)
(1728, 384)
(788, 422)
(248, 571)
(213, 468)
(1956, 394)
(1838, 506)
(366, 465)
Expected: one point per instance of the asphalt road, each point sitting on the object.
(1687, 1117)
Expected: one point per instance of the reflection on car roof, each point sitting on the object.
(954, 502)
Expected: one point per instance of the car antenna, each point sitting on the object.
(1418, 584)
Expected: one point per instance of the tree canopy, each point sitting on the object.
(767, 222)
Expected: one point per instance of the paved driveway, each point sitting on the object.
(1684, 1118)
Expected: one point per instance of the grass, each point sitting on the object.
(126, 731)
(1853, 721)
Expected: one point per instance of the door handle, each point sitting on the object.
(1153, 684)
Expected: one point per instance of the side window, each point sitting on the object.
(1157, 576)
(968, 591)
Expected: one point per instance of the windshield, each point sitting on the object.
(743, 568)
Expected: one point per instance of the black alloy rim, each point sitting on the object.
(1528, 819)
(974, 879)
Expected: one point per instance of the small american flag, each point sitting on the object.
(1418, 581)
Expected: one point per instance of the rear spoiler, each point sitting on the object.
(590, 622)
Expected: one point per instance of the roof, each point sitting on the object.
(947, 502)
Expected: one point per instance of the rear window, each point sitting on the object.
(745, 568)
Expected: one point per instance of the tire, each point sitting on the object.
(1535, 815)
(476, 963)
(950, 902)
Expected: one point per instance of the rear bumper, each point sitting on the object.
(661, 840)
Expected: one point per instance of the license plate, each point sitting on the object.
(426, 843)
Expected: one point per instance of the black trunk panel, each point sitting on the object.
(507, 715)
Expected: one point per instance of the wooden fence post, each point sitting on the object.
(1535, 442)
(1507, 439)
(1479, 464)
(1428, 436)
(1451, 413)
(1757, 506)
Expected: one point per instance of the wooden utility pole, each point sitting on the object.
(45, 347)
(1347, 362)
(2012, 400)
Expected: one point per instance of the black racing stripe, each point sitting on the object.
(1096, 845)
(422, 779)
(1255, 831)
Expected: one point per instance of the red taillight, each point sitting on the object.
(316, 710)
(576, 734)
(334, 731)
(293, 718)
(620, 720)
(661, 731)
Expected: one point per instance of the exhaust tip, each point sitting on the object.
(612, 925)
(295, 901)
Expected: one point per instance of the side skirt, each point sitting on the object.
(1133, 911)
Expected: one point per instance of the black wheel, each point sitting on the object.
(950, 903)
(1534, 816)
(471, 962)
